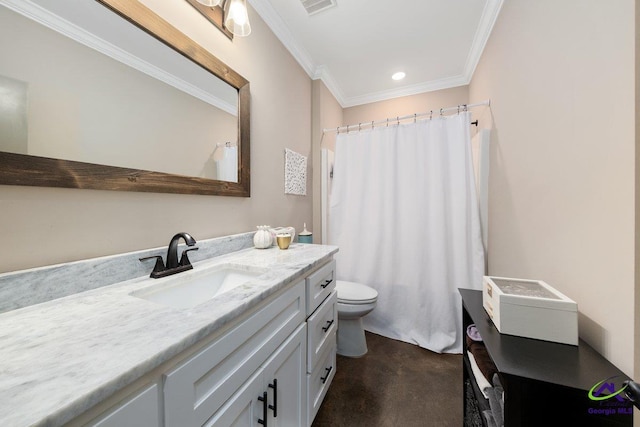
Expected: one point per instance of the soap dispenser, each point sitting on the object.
(305, 236)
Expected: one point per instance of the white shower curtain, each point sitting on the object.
(404, 215)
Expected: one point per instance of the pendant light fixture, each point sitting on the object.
(235, 15)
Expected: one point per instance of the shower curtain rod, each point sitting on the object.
(397, 120)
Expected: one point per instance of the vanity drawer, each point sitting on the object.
(200, 386)
(321, 329)
(319, 285)
(319, 380)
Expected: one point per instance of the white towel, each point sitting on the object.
(295, 173)
(227, 167)
(482, 382)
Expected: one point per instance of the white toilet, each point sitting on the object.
(355, 300)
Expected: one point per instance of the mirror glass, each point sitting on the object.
(122, 101)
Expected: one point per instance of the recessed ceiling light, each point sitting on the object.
(398, 76)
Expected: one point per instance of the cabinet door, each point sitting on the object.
(285, 382)
(243, 409)
(320, 380)
(142, 410)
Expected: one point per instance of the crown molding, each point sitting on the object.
(481, 37)
(430, 86)
(320, 71)
(282, 32)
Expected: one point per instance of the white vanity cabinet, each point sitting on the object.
(270, 367)
(221, 384)
(322, 324)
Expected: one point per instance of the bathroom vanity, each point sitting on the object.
(261, 353)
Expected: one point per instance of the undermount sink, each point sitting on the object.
(194, 287)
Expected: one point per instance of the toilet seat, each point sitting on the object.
(355, 293)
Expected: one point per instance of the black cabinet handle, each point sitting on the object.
(274, 407)
(326, 328)
(326, 283)
(324, 379)
(263, 399)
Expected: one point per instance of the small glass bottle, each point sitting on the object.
(305, 236)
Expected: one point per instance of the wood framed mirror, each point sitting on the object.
(50, 170)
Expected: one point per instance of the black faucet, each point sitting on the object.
(173, 265)
(172, 253)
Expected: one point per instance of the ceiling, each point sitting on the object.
(355, 46)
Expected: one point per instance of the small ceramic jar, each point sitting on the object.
(263, 238)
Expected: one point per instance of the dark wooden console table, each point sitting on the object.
(545, 383)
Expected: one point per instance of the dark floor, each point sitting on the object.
(396, 385)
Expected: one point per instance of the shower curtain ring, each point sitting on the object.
(398, 120)
(458, 109)
(441, 111)
(465, 108)
(431, 115)
(415, 115)
(359, 127)
(387, 121)
(372, 124)
(338, 130)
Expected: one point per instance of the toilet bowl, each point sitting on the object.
(355, 301)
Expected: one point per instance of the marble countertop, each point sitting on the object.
(59, 358)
